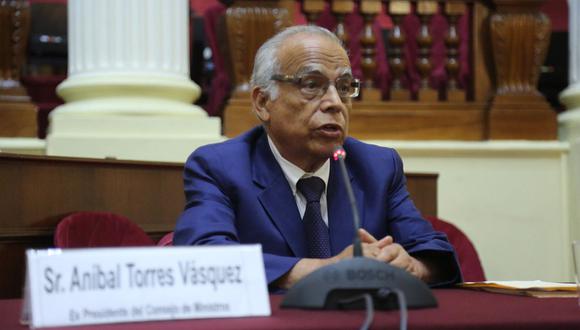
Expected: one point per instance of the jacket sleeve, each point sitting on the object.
(416, 234)
(209, 216)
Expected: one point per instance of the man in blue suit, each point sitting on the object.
(251, 189)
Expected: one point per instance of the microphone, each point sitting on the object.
(339, 155)
(334, 286)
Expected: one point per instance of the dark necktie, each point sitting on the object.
(316, 230)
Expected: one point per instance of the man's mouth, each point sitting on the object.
(331, 130)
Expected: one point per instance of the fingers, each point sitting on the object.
(366, 237)
(397, 256)
(391, 252)
(371, 246)
(387, 251)
(387, 240)
(403, 260)
(371, 250)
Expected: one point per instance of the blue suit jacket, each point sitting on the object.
(237, 193)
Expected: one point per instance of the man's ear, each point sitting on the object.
(260, 104)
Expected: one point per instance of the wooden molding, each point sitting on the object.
(529, 117)
(18, 119)
(389, 120)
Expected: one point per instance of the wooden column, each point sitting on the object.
(520, 34)
(453, 11)
(312, 9)
(425, 10)
(369, 10)
(340, 8)
(397, 65)
(481, 52)
(17, 113)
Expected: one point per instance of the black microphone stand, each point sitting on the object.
(339, 155)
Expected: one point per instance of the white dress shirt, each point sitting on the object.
(294, 173)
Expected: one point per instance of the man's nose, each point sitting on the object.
(331, 100)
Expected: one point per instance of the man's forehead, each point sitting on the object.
(307, 52)
(317, 68)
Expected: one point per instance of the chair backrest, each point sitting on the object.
(166, 240)
(98, 229)
(469, 261)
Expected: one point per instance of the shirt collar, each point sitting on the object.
(294, 173)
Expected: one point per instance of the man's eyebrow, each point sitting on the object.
(345, 71)
(309, 69)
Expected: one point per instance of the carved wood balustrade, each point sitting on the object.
(473, 78)
(17, 113)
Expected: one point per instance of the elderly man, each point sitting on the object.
(276, 185)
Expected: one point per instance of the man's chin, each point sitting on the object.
(324, 146)
(328, 149)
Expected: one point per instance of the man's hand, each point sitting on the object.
(371, 248)
(383, 250)
(396, 255)
(387, 251)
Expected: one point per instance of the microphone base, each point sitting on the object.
(331, 286)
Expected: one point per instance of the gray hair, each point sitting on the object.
(267, 63)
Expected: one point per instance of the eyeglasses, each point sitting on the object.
(314, 85)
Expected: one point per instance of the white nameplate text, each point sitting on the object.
(111, 285)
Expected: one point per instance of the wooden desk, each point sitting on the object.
(457, 310)
(37, 191)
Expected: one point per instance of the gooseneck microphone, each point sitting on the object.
(339, 155)
(341, 285)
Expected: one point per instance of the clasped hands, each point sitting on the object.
(385, 250)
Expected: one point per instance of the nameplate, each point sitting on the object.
(114, 285)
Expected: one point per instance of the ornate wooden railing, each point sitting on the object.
(481, 85)
(17, 113)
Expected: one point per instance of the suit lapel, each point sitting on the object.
(340, 219)
(277, 198)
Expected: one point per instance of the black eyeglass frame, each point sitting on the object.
(297, 80)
